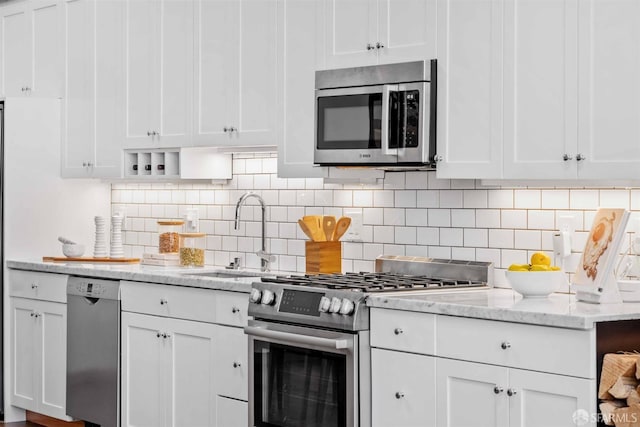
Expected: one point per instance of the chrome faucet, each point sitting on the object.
(265, 257)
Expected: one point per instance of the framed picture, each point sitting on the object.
(602, 248)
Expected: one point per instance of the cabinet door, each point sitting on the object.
(191, 349)
(351, 33)
(609, 52)
(231, 362)
(46, 31)
(26, 354)
(303, 24)
(16, 49)
(541, 89)
(471, 394)
(407, 30)
(217, 38)
(470, 135)
(144, 374)
(52, 324)
(539, 399)
(402, 389)
(259, 75)
(159, 67)
(231, 412)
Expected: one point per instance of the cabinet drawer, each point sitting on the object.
(403, 330)
(232, 370)
(538, 348)
(170, 301)
(231, 308)
(38, 285)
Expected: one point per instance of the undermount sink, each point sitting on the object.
(230, 274)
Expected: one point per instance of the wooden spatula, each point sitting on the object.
(341, 227)
(313, 223)
(328, 226)
(305, 229)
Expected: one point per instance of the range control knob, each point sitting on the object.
(255, 296)
(268, 297)
(347, 307)
(336, 303)
(325, 304)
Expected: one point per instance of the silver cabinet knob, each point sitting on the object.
(505, 345)
(148, 133)
(166, 335)
(379, 45)
(89, 164)
(35, 314)
(34, 286)
(235, 310)
(580, 157)
(567, 157)
(398, 331)
(498, 390)
(158, 334)
(511, 392)
(236, 364)
(163, 301)
(226, 129)
(399, 394)
(438, 158)
(370, 46)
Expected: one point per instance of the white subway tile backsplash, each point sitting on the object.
(412, 213)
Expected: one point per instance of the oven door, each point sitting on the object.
(352, 126)
(301, 376)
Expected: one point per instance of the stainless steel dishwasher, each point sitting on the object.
(93, 350)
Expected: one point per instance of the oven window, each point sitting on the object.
(297, 387)
(349, 122)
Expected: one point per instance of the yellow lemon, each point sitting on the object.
(540, 267)
(540, 258)
(555, 268)
(519, 267)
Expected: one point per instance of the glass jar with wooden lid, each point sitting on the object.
(169, 236)
(192, 249)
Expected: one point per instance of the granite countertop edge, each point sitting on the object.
(175, 276)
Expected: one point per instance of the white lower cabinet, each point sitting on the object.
(231, 412)
(402, 389)
(471, 394)
(39, 362)
(167, 371)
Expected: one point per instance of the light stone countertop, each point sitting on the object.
(560, 310)
(176, 276)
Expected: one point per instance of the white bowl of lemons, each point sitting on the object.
(538, 279)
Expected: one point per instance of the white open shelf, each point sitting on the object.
(178, 163)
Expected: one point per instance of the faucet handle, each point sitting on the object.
(234, 265)
(266, 256)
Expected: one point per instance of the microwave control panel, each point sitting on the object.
(412, 117)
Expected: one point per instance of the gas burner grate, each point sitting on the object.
(372, 282)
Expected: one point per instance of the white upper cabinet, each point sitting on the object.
(159, 64)
(30, 40)
(469, 142)
(367, 32)
(609, 107)
(238, 73)
(541, 89)
(93, 120)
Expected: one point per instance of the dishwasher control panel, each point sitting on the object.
(95, 288)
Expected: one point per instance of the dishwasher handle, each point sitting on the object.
(328, 343)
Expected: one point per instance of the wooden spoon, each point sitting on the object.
(341, 227)
(328, 226)
(305, 229)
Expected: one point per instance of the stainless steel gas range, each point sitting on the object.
(309, 340)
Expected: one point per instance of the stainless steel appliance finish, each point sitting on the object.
(316, 326)
(93, 350)
(381, 115)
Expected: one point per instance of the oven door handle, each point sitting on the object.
(337, 344)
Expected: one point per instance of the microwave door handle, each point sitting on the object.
(384, 128)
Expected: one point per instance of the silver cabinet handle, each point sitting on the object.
(379, 45)
(370, 46)
(498, 390)
(567, 157)
(512, 392)
(236, 364)
(163, 301)
(580, 157)
(505, 345)
(398, 331)
(235, 310)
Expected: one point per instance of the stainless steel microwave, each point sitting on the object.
(381, 115)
